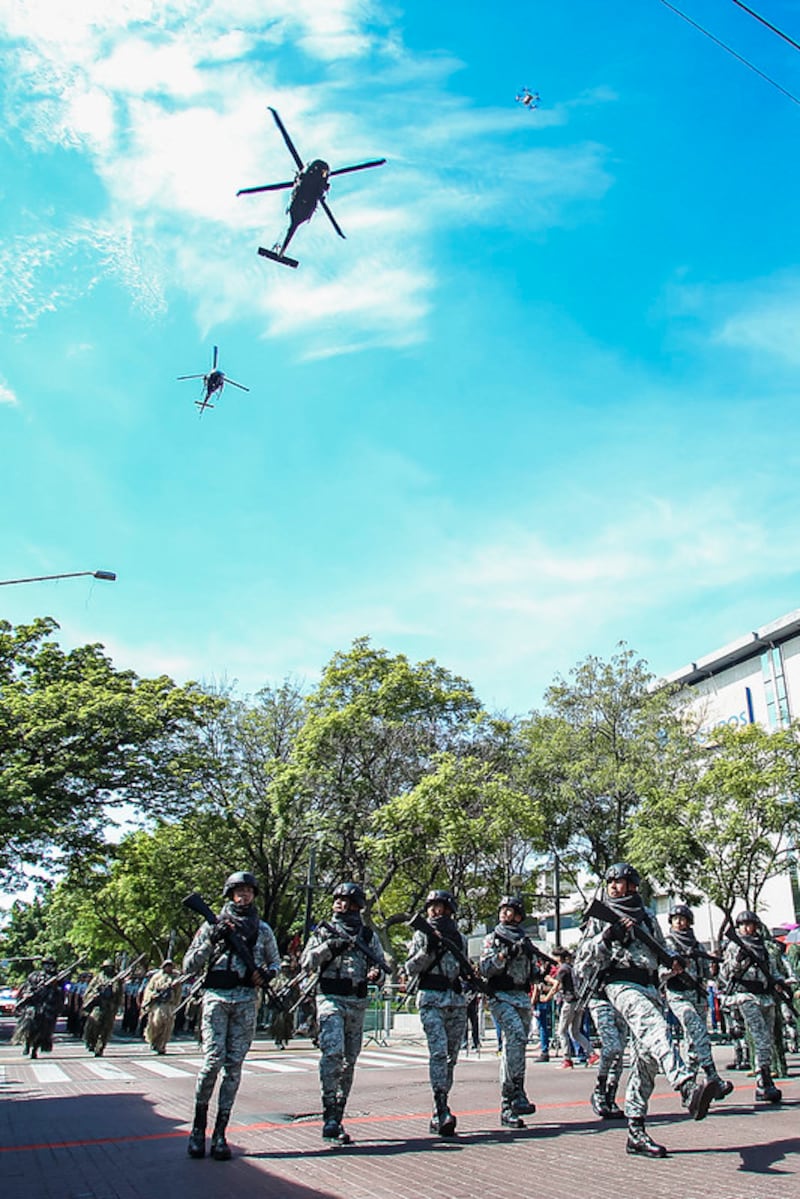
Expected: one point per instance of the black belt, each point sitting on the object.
(226, 980)
(438, 982)
(504, 982)
(343, 986)
(631, 974)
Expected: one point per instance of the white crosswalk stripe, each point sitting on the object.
(107, 1071)
(48, 1072)
(162, 1069)
(278, 1067)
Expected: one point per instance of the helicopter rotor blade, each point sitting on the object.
(241, 386)
(330, 216)
(214, 363)
(190, 377)
(289, 143)
(361, 166)
(268, 187)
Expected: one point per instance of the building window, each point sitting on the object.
(775, 688)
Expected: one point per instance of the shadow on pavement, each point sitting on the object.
(118, 1147)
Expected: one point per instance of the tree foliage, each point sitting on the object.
(726, 831)
(79, 738)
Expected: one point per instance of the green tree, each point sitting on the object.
(608, 739)
(726, 832)
(78, 739)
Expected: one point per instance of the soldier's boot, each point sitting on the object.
(696, 1097)
(34, 1052)
(599, 1100)
(722, 1086)
(220, 1149)
(522, 1104)
(331, 1127)
(615, 1112)
(197, 1137)
(766, 1091)
(442, 1121)
(640, 1142)
(509, 1116)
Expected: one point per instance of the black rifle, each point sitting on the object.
(776, 987)
(107, 989)
(533, 952)
(468, 972)
(235, 942)
(610, 915)
(45, 986)
(355, 943)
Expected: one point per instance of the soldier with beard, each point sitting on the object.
(687, 996)
(442, 1003)
(510, 966)
(348, 956)
(746, 973)
(628, 968)
(38, 1006)
(229, 1003)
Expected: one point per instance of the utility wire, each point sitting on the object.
(716, 40)
(762, 20)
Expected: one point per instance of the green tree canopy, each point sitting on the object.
(79, 738)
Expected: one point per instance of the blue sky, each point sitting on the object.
(543, 398)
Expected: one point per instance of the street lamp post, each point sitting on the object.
(109, 575)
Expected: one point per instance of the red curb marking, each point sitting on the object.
(270, 1124)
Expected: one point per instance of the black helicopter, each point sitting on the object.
(308, 190)
(213, 382)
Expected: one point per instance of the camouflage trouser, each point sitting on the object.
(691, 1011)
(758, 1013)
(569, 1029)
(341, 1031)
(652, 1050)
(228, 1027)
(613, 1033)
(98, 1027)
(444, 1028)
(514, 1021)
(160, 1023)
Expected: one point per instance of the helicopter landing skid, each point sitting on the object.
(278, 257)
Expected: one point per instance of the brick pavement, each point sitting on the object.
(90, 1138)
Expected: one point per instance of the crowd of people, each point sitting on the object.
(625, 986)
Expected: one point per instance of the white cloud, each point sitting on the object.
(7, 396)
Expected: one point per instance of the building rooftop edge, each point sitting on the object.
(748, 646)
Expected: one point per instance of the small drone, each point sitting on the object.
(308, 190)
(528, 99)
(213, 382)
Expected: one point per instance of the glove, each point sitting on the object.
(511, 951)
(614, 932)
(218, 932)
(337, 945)
(267, 973)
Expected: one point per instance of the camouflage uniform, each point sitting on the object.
(36, 1021)
(100, 1005)
(630, 978)
(747, 993)
(341, 1004)
(689, 1004)
(442, 1009)
(161, 996)
(229, 1008)
(613, 1033)
(510, 972)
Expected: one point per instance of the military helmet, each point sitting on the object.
(242, 878)
(445, 897)
(625, 871)
(352, 893)
(107, 964)
(681, 909)
(747, 917)
(48, 963)
(512, 901)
